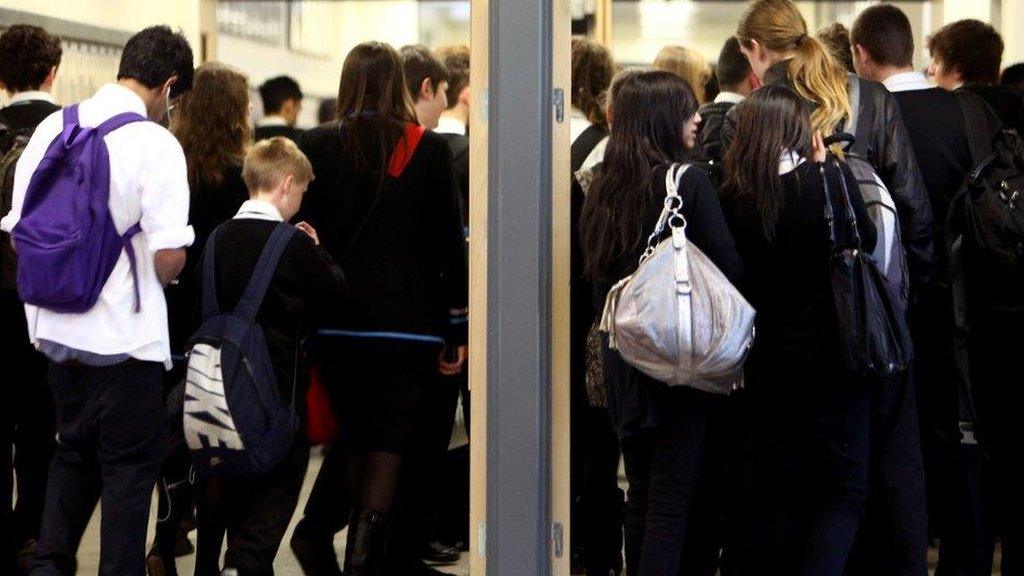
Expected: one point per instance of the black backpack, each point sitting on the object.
(12, 144)
(986, 218)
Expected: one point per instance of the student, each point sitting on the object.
(968, 54)
(282, 103)
(212, 124)
(688, 64)
(305, 289)
(737, 81)
(883, 46)
(427, 81)
(664, 431)
(809, 413)
(836, 39)
(29, 58)
(773, 36)
(1013, 78)
(106, 364)
(454, 122)
(596, 496)
(386, 207)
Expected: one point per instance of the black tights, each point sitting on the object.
(373, 479)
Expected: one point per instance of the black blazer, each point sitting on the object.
(406, 268)
(264, 132)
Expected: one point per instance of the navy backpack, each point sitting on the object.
(66, 239)
(234, 419)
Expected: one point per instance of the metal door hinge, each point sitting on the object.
(559, 98)
(557, 540)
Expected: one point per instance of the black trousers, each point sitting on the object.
(255, 512)
(810, 475)
(669, 528)
(26, 429)
(112, 427)
(893, 537)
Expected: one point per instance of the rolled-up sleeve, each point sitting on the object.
(165, 199)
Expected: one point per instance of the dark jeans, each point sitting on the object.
(893, 538)
(667, 528)
(255, 511)
(26, 428)
(112, 428)
(810, 475)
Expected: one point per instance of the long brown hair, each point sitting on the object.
(778, 25)
(688, 64)
(649, 110)
(592, 73)
(772, 120)
(372, 94)
(212, 123)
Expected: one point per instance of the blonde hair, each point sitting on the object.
(778, 25)
(272, 160)
(688, 64)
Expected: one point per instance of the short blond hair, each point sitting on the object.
(272, 160)
(688, 64)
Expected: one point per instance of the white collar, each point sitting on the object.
(273, 120)
(789, 161)
(122, 98)
(907, 81)
(730, 97)
(449, 125)
(30, 95)
(259, 210)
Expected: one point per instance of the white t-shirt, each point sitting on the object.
(148, 184)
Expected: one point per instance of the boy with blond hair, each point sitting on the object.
(305, 288)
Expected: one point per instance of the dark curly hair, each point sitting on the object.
(27, 54)
(592, 73)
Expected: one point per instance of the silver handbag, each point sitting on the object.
(678, 319)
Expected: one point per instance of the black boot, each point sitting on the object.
(315, 551)
(367, 544)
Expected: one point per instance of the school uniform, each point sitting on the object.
(809, 414)
(27, 417)
(271, 126)
(306, 287)
(106, 364)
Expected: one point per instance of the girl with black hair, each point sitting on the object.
(664, 431)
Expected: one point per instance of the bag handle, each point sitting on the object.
(849, 214)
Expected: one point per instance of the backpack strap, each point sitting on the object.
(252, 299)
(210, 306)
(584, 145)
(115, 122)
(977, 124)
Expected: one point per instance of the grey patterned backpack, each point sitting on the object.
(678, 319)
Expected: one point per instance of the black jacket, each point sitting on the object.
(264, 132)
(881, 133)
(460, 161)
(709, 133)
(1007, 104)
(406, 267)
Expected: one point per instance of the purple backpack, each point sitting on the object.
(66, 239)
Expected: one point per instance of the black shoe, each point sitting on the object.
(437, 554)
(315, 553)
(367, 544)
(424, 570)
(157, 565)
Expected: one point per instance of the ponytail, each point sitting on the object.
(814, 74)
(817, 77)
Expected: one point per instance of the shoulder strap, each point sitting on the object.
(71, 128)
(976, 124)
(252, 299)
(115, 122)
(210, 306)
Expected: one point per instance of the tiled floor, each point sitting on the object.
(286, 565)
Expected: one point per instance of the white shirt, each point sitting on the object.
(731, 97)
(259, 210)
(30, 95)
(449, 125)
(272, 120)
(907, 81)
(578, 124)
(148, 184)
